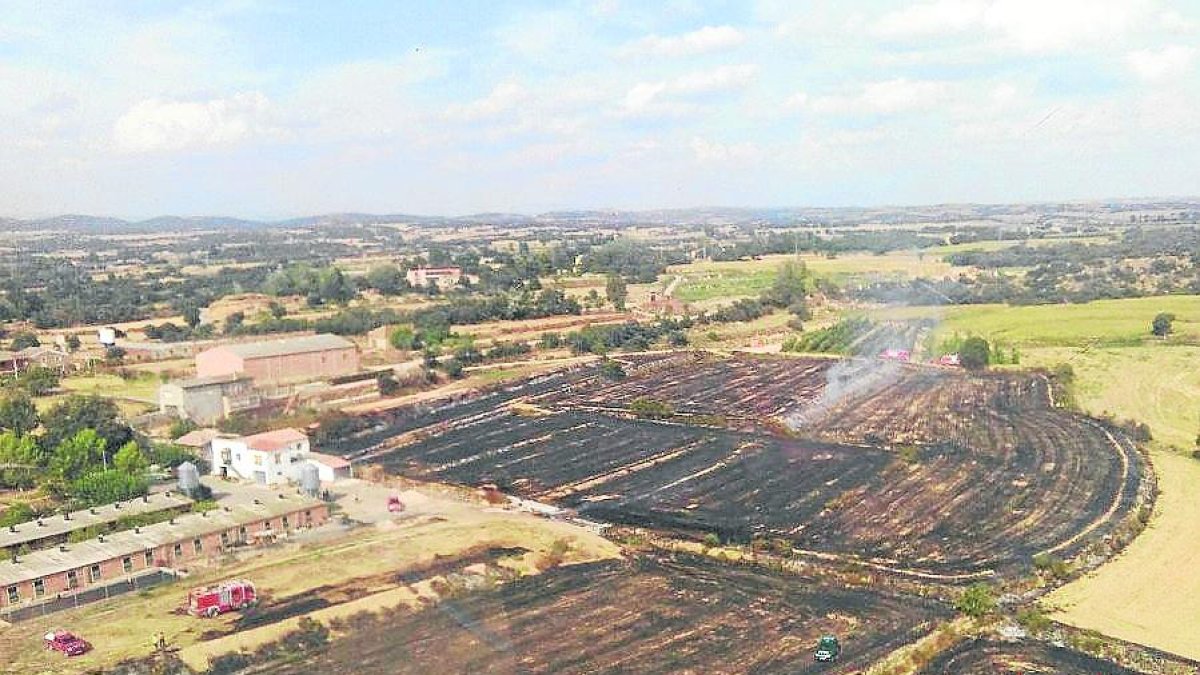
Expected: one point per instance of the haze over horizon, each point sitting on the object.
(261, 110)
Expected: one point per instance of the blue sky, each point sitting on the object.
(266, 109)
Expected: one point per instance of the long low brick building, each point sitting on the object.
(70, 568)
(51, 531)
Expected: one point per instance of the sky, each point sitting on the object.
(266, 109)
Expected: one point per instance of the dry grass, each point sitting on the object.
(123, 627)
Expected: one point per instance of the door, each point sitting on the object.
(260, 477)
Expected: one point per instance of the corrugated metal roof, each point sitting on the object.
(188, 526)
(297, 345)
(57, 525)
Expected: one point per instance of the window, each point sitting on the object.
(94, 573)
(258, 460)
(224, 539)
(178, 550)
(197, 545)
(149, 556)
(127, 564)
(72, 579)
(39, 588)
(14, 595)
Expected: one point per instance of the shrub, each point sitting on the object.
(978, 600)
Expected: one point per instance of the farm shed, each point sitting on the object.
(50, 531)
(205, 400)
(118, 557)
(311, 357)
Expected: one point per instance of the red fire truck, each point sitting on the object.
(226, 596)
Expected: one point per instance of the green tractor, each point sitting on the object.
(828, 648)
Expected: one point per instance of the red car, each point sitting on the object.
(66, 642)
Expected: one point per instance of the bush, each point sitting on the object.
(975, 353)
(612, 370)
(712, 540)
(978, 600)
(1033, 620)
(1051, 564)
(651, 408)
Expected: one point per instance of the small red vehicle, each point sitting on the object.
(66, 642)
(394, 504)
(226, 596)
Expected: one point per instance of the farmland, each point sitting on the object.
(1025, 478)
(643, 615)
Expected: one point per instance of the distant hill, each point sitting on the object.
(714, 215)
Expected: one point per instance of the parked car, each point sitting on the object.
(828, 649)
(66, 642)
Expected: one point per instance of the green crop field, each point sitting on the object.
(1100, 323)
(704, 281)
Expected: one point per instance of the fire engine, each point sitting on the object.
(226, 596)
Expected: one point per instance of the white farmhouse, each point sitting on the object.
(265, 458)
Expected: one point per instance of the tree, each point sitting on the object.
(615, 290)
(20, 458)
(39, 381)
(974, 354)
(77, 455)
(114, 356)
(790, 288)
(107, 486)
(18, 414)
(24, 341)
(191, 315)
(77, 413)
(130, 459)
(277, 310)
(403, 338)
(387, 279)
(234, 321)
(73, 342)
(1161, 326)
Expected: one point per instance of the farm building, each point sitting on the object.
(439, 276)
(265, 458)
(205, 400)
(199, 441)
(299, 359)
(329, 467)
(12, 363)
(51, 531)
(122, 556)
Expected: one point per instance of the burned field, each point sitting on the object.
(687, 614)
(986, 657)
(746, 392)
(955, 475)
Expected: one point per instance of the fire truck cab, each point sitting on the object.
(226, 596)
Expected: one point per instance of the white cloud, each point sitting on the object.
(712, 151)
(1155, 65)
(930, 19)
(1023, 25)
(887, 97)
(503, 98)
(702, 41)
(661, 98)
(155, 125)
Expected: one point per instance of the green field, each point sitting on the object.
(1100, 323)
(747, 278)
